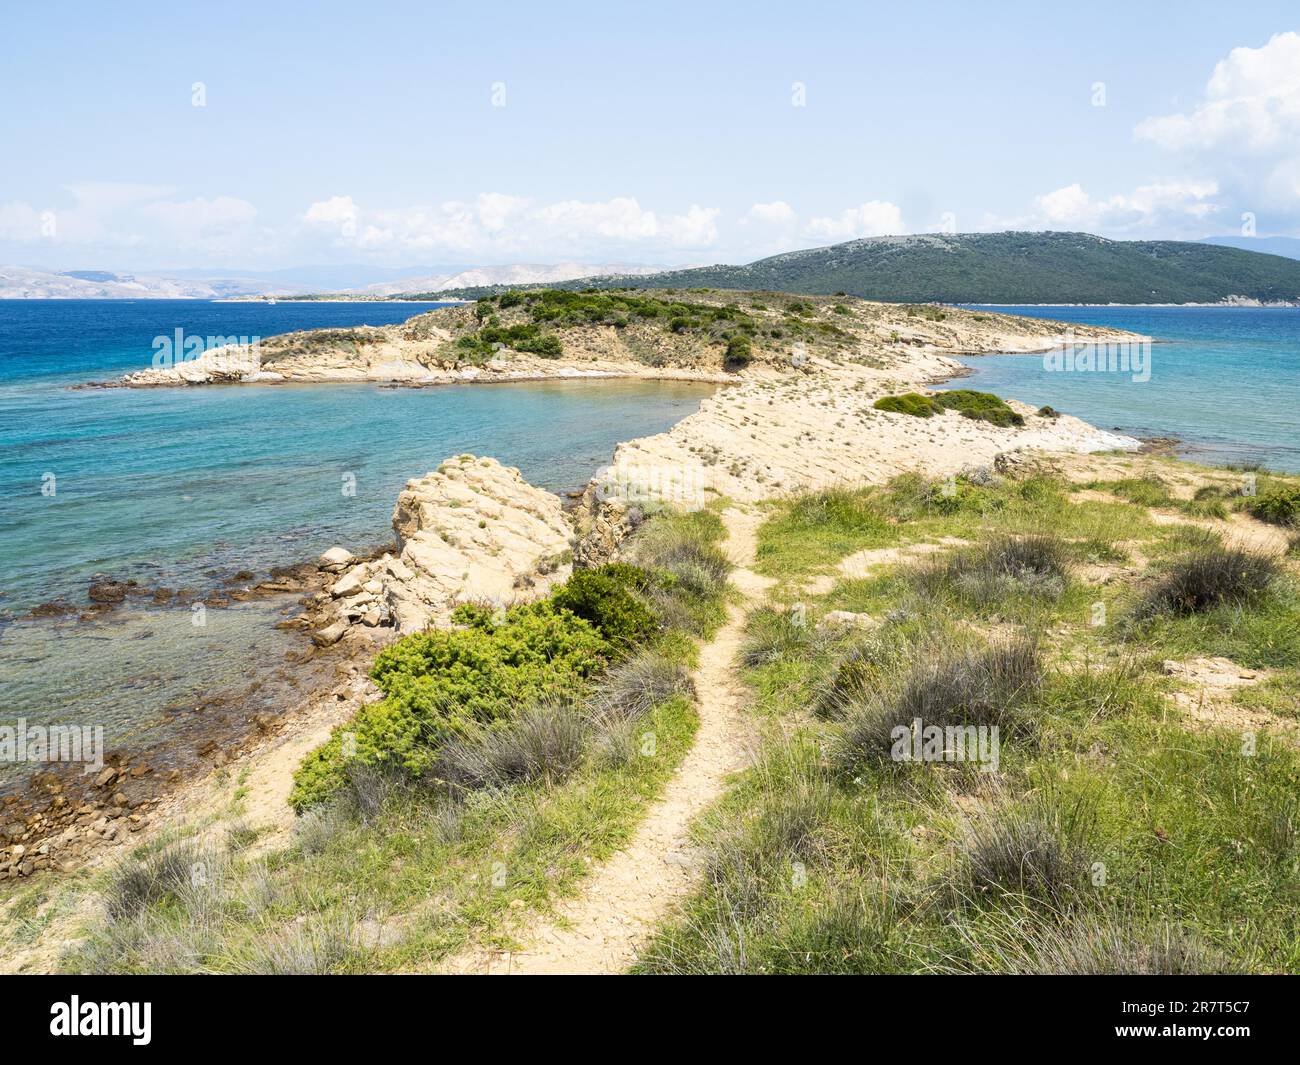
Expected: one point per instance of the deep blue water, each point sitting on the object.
(1224, 380)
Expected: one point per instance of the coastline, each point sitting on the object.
(716, 452)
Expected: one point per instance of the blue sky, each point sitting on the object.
(399, 134)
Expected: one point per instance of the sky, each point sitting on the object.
(150, 136)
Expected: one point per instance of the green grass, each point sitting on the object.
(440, 875)
(1115, 837)
(817, 530)
(503, 815)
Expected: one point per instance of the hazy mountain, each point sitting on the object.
(18, 282)
(518, 274)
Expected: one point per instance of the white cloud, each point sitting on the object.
(19, 221)
(494, 225)
(1245, 130)
(697, 228)
(201, 221)
(874, 219)
(106, 217)
(1252, 103)
(1161, 207)
(338, 213)
(776, 213)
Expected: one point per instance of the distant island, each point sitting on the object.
(1006, 268)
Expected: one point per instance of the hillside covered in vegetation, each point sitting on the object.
(1007, 268)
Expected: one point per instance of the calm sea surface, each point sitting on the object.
(1224, 380)
(185, 487)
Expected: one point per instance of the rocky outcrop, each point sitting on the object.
(424, 350)
(472, 531)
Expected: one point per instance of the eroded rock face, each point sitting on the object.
(472, 531)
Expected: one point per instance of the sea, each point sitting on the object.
(186, 488)
(1223, 381)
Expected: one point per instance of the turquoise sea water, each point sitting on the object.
(186, 487)
(164, 485)
(1224, 380)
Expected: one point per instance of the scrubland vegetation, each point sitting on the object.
(1117, 834)
(533, 320)
(978, 406)
(1124, 818)
(508, 755)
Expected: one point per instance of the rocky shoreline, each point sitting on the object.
(474, 530)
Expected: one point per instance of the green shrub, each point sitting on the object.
(912, 403)
(602, 597)
(1280, 506)
(522, 337)
(981, 407)
(443, 683)
(739, 353)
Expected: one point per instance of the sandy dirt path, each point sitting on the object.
(601, 930)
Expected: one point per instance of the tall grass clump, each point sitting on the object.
(638, 684)
(947, 687)
(1209, 578)
(545, 741)
(157, 874)
(690, 568)
(1035, 849)
(1024, 943)
(773, 636)
(1034, 565)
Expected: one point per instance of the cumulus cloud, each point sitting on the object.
(776, 213)
(1245, 129)
(874, 219)
(1162, 206)
(201, 222)
(109, 216)
(1251, 103)
(337, 213)
(495, 224)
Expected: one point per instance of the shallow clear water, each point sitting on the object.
(172, 485)
(184, 487)
(1224, 380)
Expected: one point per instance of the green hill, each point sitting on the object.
(1000, 268)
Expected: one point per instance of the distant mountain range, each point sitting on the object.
(1012, 267)
(18, 282)
(519, 274)
(1006, 268)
